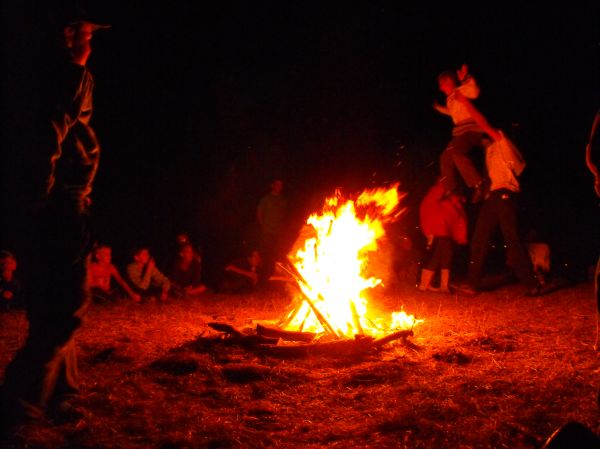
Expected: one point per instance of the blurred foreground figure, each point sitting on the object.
(592, 159)
(63, 156)
(572, 435)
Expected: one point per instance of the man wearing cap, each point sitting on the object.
(62, 159)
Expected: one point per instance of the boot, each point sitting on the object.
(426, 276)
(444, 279)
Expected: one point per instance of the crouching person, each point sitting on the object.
(146, 278)
(444, 223)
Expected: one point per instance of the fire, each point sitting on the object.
(333, 261)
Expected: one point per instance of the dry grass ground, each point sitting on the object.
(496, 371)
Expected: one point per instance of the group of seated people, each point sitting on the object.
(144, 280)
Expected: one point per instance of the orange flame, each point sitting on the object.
(333, 264)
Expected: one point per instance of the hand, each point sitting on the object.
(164, 295)
(462, 72)
(436, 105)
(136, 297)
(496, 134)
(151, 264)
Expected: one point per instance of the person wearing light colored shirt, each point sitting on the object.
(466, 133)
(504, 164)
(145, 277)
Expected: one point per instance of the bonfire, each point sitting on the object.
(329, 267)
(330, 263)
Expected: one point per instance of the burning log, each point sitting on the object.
(300, 280)
(391, 337)
(264, 331)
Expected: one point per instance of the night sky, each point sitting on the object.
(198, 107)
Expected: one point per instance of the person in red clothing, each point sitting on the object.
(444, 223)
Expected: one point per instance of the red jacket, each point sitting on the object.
(443, 217)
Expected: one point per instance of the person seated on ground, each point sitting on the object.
(101, 272)
(10, 286)
(146, 278)
(242, 275)
(444, 223)
(539, 253)
(186, 273)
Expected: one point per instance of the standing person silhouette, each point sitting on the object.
(271, 216)
(62, 162)
(592, 159)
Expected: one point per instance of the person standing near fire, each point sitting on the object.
(63, 156)
(504, 165)
(271, 216)
(444, 224)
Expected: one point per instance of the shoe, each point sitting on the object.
(534, 291)
(65, 412)
(465, 290)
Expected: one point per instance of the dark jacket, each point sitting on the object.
(64, 153)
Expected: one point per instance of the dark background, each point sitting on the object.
(198, 107)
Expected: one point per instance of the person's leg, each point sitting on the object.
(432, 264)
(518, 255)
(447, 168)
(485, 225)
(426, 276)
(446, 251)
(460, 147)
(55, 308)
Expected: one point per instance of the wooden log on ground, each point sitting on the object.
(226, 328)
(236, 337)
(305, 337)
(340, 348)
(391, 337)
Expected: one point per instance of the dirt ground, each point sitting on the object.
(496, 371)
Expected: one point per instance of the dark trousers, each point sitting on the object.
(500, 209)
(46, 366)
(441, 254)
(455, 156)
(270, 251)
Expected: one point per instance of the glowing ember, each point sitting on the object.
(333, 263)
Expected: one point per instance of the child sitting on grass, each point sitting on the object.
(145, 277)
(100, 274)
(10, 286)
(242, 275)
(186, 273)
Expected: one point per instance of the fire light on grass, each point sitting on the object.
(333, 264)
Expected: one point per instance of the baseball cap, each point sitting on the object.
(73, 15)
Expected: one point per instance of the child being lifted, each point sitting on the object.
(466, 134)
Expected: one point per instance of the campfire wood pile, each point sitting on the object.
(270, 340)
(281, 342)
